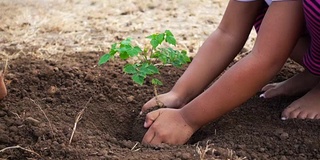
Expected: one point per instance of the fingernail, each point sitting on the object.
(145, 124)
(283, 118)
(262, 95)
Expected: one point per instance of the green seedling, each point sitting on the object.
(147, 60)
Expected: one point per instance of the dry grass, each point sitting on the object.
(45, 115)
(77, 119)
(22, 148)
(49, 29)
(208, 152)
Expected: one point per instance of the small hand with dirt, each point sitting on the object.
(170, 100)
(166, 125)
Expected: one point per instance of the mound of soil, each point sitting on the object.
(45, 97)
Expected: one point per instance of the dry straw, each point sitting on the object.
(78, 118)
(50, 29)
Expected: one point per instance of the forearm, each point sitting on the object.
(218, 50)
(213, 57)
(233, 88)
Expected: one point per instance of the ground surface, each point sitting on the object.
(53, 47)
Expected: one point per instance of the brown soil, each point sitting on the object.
(138, 130)
(51, 79)
(45, 98)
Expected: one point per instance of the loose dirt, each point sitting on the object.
(53, 48)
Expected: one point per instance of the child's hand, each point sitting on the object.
(170, 100)
(3, 89)
(166, 125)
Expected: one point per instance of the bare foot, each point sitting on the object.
(306, 107)
(298, 84)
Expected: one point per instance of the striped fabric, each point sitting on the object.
(312, 15)
(267, 1)
(260, 17)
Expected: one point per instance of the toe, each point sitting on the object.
(317, 116)
(291, 111)
(294, 114)
(312, 116)
(302, 115)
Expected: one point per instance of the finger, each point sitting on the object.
(148, 137)
(151, 117)
(271, 93)
(156, 140)
(151, 137)
(267, 87)
(151, 103)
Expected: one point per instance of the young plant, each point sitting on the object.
(147, 59)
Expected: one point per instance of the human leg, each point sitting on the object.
(298, 84)
(307, 106)
(294, 85)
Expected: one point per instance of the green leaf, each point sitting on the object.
(142, 74)
(171, 40)
(185, 56)
(126, 41)
(134, 51)
(143, 69)
(156, 54)
(130, 69)
(148, 69)
(172, 54)
(154, 43)
(153, 69)
(177, 63)
(156, 39)
(138, 79)
(113, 49)
(160, 38)
(105, 58)
(163, 57)
(151, 36)
(124, 55)
(168, 33)
(123, 49)
(156, 81)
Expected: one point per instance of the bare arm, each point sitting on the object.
(167, 125)
(218, 50)
(277, 36)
